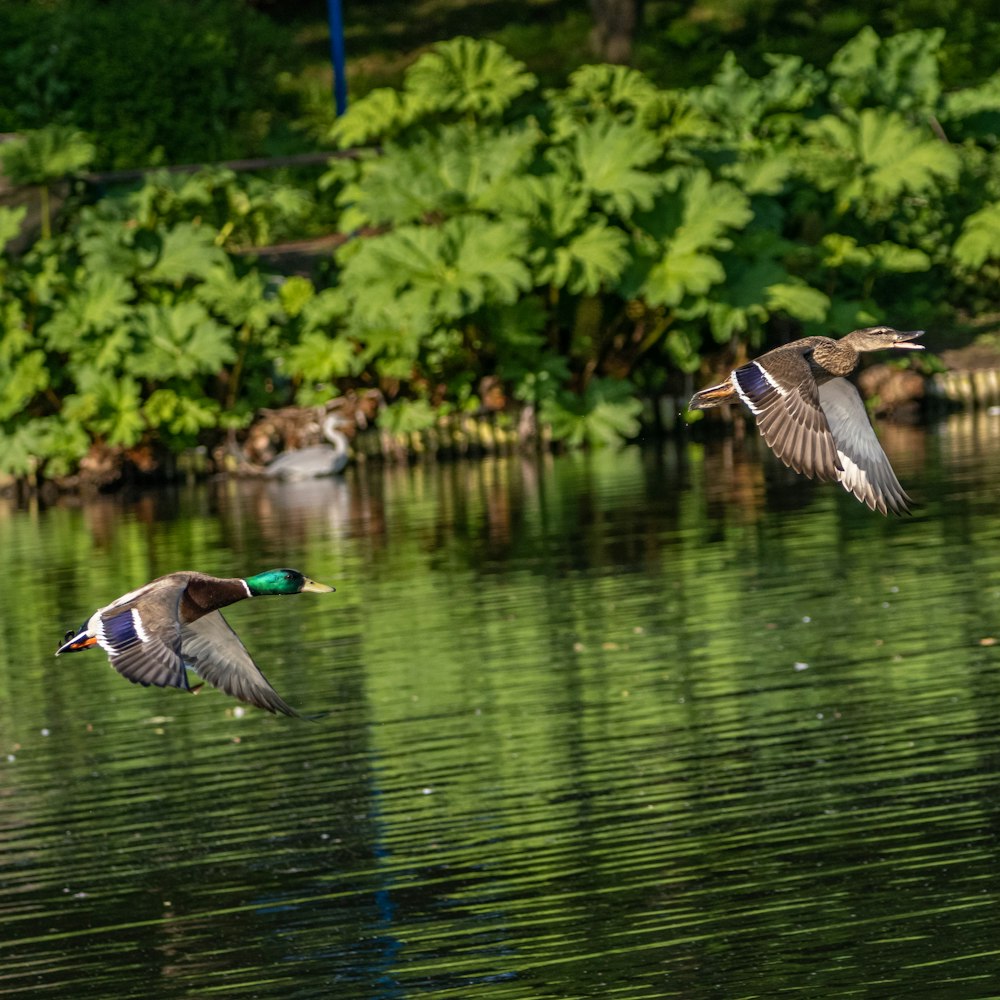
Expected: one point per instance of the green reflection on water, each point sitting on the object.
(597, 728)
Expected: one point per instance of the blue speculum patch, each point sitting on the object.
(120, 631)
(752, 381)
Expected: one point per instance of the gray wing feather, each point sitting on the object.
(865, 468)
(793, 424)
(210, 647)
(151, 663)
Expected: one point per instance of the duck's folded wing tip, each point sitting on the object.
(866, 471)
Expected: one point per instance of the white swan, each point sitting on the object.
(317, 459)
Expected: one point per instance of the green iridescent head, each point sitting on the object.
(275, 582)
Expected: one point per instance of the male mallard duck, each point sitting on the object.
(153, 634)
(812, 418)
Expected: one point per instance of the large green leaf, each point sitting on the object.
(605, 414)
(451, 170)
(180, 415)
(108, 246)
(841, 252)
(486, 264)
(555, 203)
(468, 75)
(739, 105)
(896, 259)
(797, 299)
(43, 155)
(237, 300)
(975, 111)
(598, 91)
(21, 381)
(681, 273)
(179, 340)
(467, 262)
(324, 309)
(711, 209)
(611, 157)
(100, 304)
(765, 174)
(21, 448)
(110, 408)
(900, 72)
(617, 90)
(692, 223)
(185, 251)
(759, 283)
(875, 157)
(321, 358)
(593, 258)
(380, 113)
(61, 443)
(979, 240)
(10, 223)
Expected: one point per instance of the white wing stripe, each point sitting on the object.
(751, 405)
(140, 631)
(781, 390)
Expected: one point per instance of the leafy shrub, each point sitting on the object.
(644, 225)
(572, 244)
(151, 82)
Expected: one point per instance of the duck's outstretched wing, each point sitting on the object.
(141, 634)
(210, 647)
(789, 415)
(865, 469)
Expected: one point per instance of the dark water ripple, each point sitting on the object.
(592, 732)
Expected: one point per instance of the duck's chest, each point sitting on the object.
(202, 597)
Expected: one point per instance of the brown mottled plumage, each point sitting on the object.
(812, 418)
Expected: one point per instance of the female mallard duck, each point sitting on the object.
(812, 418)
(153, 634)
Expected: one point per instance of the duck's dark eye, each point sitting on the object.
(69, 635)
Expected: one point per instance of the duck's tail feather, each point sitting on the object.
(72, 643)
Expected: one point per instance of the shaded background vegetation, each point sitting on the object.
(175, 81)
(578, 235)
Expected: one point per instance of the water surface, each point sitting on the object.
(657, 723)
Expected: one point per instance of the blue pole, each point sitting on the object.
(336, 18)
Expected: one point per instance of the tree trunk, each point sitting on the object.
(615, 25)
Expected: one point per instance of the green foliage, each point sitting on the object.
(980, 237)
(462, 79)
(242, 210)
(453, 168)
(10, 224)
(611, 161)
(125, 329)
(41, 157)
(900, 72)
(149, 82)
(44, 155)
(473, 77)
(572, 243)
(874, 159)
(606, 413)
(643, 226)
(690, 223)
